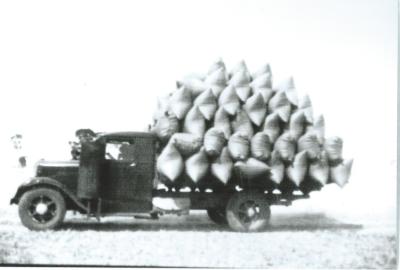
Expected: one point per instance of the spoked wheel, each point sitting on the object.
(42, 209)
(217, 215)
(248, 212)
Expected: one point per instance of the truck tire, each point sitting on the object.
(248, 212)
(42, 209)
(217, 215)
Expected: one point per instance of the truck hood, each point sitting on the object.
(65, 172)
(49, 168)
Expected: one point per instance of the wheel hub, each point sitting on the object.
(41, 208)
(248, 211)
(251, 212)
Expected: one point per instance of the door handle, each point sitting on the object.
(133, 164)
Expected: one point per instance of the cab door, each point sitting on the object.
(123, 189)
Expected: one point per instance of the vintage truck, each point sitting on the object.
(107, 181)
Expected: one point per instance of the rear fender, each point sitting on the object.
(37, 182)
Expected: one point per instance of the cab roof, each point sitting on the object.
(126, 135)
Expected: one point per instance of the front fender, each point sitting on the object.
(46, 182)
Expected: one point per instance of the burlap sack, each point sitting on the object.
(214, 141)
(242, 123)
(277, 168)
(196, 167)
(216, 65)
(340, 173)
(166, 126)
(264, 69)
(297, 124)
(267, 93)
(309, 143)
(256, 109)
(162, 107)
(333, 147)
(284, 113)
(285, 146)
(170, 163)
(239, 67)
(285, 84)
(229, 100)
(279, 103)
(306, 106)
(240, 81)
(296, 171)
(261, 146)
(239, 146)
(221, 121)
(318, 128)
(217, 81)
(278, 100)
(262, 81)
(195, 85)
(221, 168)
(272, 126)
(194, 122)
(291, 95)
(252, 168)
(216, 90)
(243, 92)
(319, 169)
(186, 143)
(180, 102)
(207, 104)
(218, 77)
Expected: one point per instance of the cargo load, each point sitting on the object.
(241, 120)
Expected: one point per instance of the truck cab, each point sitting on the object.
(115, 175)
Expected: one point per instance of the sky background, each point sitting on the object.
(66, 65)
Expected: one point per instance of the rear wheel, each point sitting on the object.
(217, 215)
(248, 212)
(42, 209)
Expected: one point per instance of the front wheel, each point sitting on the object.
(42, 209)
(248, 212)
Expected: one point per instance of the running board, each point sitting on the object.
(152, 216)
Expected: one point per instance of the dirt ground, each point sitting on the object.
(295, 240)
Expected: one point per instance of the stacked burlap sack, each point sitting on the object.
(229, 125)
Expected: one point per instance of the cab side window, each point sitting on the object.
(121, 151)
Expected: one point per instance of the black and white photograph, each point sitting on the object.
(199, 134)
